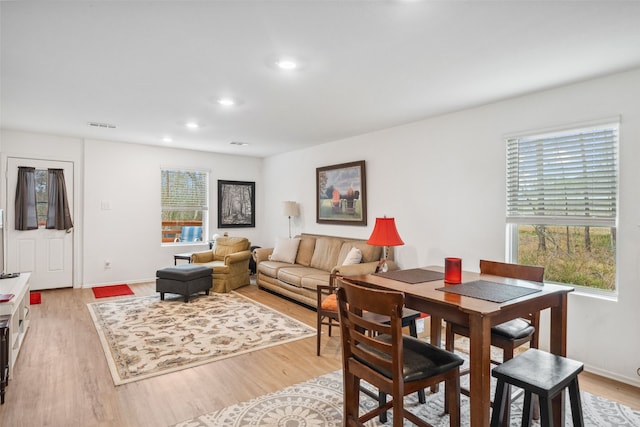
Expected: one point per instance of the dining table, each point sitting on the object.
(425, 290)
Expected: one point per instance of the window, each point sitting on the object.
(185, 205)
(562, 193)
(42, 196)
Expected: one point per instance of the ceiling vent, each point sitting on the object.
(242, 144)
(102, 125)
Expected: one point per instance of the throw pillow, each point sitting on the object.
(353, 257)
(285, 250)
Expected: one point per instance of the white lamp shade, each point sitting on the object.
(290, 208)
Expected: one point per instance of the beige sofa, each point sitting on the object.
(316, 258)
(229, 259)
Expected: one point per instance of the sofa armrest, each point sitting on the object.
(261, 254)
(202, 257)
(355, 269)
(362, 268)
(237, 257)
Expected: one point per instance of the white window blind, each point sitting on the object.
(567, 177)
(184, 190)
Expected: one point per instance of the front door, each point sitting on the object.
(47, 254)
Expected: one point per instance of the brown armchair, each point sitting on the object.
(229, 259)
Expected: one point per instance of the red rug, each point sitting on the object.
(35, 298)
(111, 291)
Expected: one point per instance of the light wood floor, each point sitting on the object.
(61, 377)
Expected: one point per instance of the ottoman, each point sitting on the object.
(186, 279)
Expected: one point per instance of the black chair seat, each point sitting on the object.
(514, 329)
(421, 359)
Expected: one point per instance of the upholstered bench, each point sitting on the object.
(186, 279)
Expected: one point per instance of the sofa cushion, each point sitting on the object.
(271, 268)
(353, 257)
(295, 275)
(369, 253)
(312, 281)
(305, 250)
(285, 250)
(325, 255)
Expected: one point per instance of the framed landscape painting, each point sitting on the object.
(341, 194)
(236, 204)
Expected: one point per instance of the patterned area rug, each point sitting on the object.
(143, 337)
(318, 402)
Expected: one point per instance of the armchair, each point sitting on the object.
(229, 259)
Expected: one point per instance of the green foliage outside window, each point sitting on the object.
(578, 255)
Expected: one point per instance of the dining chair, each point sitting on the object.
(512, 334)
(380, 354)
(327, 315)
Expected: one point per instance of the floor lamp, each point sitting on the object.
(290, 209)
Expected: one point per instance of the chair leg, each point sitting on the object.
(499, 401)
(576, 403)
(527, 410)
(351, 399)
(546, 418)
(452, 398)
(382, 399)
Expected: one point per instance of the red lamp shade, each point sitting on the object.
(385, 233)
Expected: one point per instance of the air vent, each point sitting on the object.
(242, 144)
(102, 125)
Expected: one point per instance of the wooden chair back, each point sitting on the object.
(514, 271)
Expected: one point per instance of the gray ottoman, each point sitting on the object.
(186, 279)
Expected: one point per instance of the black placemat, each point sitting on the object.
(413, 275)
(489, 291)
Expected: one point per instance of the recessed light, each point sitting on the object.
(192, 125)
(287, 64)
(227, 102)
(167, 139)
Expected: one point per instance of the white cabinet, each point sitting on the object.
(18, 309)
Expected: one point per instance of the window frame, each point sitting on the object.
(204, 209)
(512, 222)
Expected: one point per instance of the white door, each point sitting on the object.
(47, 254)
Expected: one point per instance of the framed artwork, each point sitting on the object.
(341, 194)
(236, 204)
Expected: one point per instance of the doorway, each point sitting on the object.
(47, 254)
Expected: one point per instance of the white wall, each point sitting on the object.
(443, 179)
(126, 177)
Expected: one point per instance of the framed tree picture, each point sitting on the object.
(341, 194)
(236, 204)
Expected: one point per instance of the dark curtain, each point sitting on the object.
(58, 214)
(26, 218)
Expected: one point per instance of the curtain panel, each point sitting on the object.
(26, 217)
(58, 214)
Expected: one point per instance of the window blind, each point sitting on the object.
(570, 177)
(184, 190)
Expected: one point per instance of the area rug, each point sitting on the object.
(143, 337)
(111, 291)
(318, 402)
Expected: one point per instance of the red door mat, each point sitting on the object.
(111, 291)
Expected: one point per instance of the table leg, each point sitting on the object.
(558, 345)
(480, 365)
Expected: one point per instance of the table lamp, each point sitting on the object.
(385, 234)
(290, 209)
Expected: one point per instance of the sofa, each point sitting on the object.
(295, 267)
(229, 260)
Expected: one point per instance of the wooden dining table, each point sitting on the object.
(480, 315)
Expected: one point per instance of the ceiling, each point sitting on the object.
(150, 67)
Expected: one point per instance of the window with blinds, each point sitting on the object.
(564, 177)
(562, 198)
(184, 199)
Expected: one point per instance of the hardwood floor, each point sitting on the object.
(61, 377)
